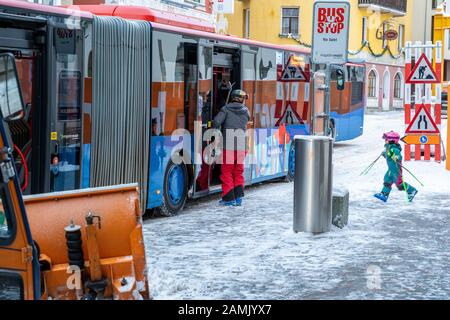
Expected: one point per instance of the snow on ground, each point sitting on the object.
(396, 250)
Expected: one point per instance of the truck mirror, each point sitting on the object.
(340, 79)
(11, 101)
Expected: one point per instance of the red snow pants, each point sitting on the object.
(232, 175)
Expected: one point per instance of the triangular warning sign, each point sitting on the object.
(422, 122)
(289, 116)
(293, 71)
(423, 72)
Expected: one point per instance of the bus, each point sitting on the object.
(106, 87)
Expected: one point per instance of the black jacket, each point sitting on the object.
(231, 117)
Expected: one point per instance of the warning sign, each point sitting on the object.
(290, 116)
(293, 70)
(422, 122)
(423, 72)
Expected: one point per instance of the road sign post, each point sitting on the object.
(423, 124)
(331, 20)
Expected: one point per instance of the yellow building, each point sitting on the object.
(442, 33)
(378, 31)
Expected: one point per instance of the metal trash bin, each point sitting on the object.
(313, 184)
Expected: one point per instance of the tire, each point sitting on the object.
(291, 164)
(175, 189)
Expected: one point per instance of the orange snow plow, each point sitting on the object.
(90, 243)
(82, 244)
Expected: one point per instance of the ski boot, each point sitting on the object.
(238, 202)
(381, 196)
(227, 203)
(412, 195)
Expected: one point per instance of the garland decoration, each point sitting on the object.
(354, 53)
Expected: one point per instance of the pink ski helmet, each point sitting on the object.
(391, 136)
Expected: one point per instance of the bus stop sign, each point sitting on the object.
(330, 32)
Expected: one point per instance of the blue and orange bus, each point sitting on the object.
(106, 87)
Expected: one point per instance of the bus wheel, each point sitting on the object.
(291, 164)
(175, 189)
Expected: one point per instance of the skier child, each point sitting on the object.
(393, 155)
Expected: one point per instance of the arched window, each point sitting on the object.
(398, 84)
(372, 84)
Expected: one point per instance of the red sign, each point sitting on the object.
(331, 20)
(331, 28)
(390, 35)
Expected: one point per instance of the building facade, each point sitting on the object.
(378, 32)
(441, 32)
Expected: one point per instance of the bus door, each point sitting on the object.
(25, 38)
(226, 77)
(248, 71)
(66, 69)
(19, 266)
(204, 161)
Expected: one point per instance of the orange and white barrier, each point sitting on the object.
(423, 95)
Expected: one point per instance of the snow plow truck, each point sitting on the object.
(72, 245)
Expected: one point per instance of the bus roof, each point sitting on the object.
(229, 38)
(39, 8)
(147, 14)
(178, 24)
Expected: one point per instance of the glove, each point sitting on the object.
(384, 154)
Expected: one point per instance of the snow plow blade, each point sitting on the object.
(113, 264)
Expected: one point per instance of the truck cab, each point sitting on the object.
(19, 266)
(73, 245)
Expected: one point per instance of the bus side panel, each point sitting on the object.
(347, 106)
(356, 121)
(167, 116)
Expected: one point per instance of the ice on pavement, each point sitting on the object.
(397, 250)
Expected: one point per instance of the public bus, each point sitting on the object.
(106, 87)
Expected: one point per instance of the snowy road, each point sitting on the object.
(396, 250)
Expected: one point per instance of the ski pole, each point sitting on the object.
(366, 171)
(403, 181)
(411, 174)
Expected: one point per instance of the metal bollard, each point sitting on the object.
(313, 184)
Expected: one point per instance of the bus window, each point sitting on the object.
(66, 141)
(205, 85)
(204, 117)
(170, 93)
(266, 88)
(25, 69)
(356, 77)
(249, 79)
(190, 90)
